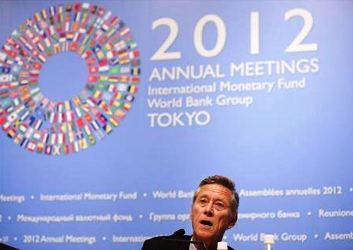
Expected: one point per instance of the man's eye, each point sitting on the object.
(203, 201)
(219, 206)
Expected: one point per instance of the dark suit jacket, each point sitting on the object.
(6, 247)
(171, 242)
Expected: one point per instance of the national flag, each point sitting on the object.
(90, 102)
(111, 31)
(91, 139)
(120, 45)
(93, 69)
(76, 100)
(125, 70)
(44, 14)
(71, 136)
(31, 146)
(106, 27)
(93, 9)
(88, 117)
(4, 78)
(42, 58)
(45, 138)
(76, 146)
(117, 104)
(124, 79)
(37, 17)
(119, 113)
(114, 21)
(24, 142)
(38, 124)
(51, 116)
(124, 61)
(95, 125)
(135, 71)
(5, 70)
(48, 149)
(93, 78)
(103, 68)
(61, 138)
(99, 134)
(47, 42)
(52, 10)
(78, 112)
(2, 56)
(87, 130)
(29, 132)
(66, 149)
(37, 135)
(2, 120)
(107, 128)
(69, 116)
(97, 94)
(79, 135)
(77, 7)
(56, 150)
(37, 66)
(103, 62)
(74, 46)
(36, 40)
(101, 118)
(60, 107)
(114, 70)
(114, 121)
(80, 123)
(6, 126)
(112, 88)
(103, 78)
(127, 106)
(103, 39)
(53, 138)
(40, 147)
(29, 33)
(83, 143)
(18, 138)
(4, 94)
(114, 61)
(124, 31)
(132, 89)
(67, 105)
(113, 79)
(122, 87)
(25, 115)
(104, 106)
(134, 54)
(13, 116)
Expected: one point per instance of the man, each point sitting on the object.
(214, 210)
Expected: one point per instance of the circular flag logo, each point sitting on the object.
(104, 42)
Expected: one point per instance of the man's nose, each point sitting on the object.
(209, 209)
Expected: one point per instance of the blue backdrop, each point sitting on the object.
(259, 91)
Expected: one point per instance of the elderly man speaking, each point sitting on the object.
(214, 210)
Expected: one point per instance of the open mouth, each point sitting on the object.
(206, 222)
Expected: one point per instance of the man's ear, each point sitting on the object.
(232, 222)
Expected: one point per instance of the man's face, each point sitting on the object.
(211, 213)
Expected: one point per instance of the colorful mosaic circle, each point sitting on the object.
(41, 125)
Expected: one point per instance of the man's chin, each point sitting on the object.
(204, 234)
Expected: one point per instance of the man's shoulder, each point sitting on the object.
(170, 238)
(167, 242)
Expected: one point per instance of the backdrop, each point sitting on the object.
(113, 111)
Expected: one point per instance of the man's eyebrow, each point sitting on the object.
(203, 195)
